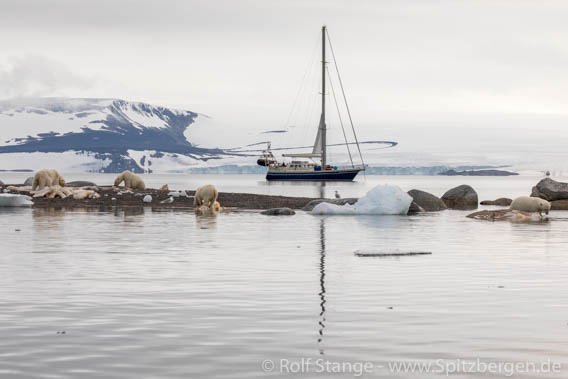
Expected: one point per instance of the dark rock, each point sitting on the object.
(80, 183)
(559, 205)
(278, 212)
(550, 190)
(29, 181)
(415, 208)
(364, 253)
(461, 197)
(502, 202)
(427, 201)
(348, 200)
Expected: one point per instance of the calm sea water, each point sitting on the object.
(168, 294)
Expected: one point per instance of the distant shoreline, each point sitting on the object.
(478, 173)
(257, 170)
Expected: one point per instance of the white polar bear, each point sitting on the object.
(131, 180)
(205, 195)
(530, 204)
(47, 178)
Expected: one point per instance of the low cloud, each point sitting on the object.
(36, 75)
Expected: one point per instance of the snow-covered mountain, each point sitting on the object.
(103, 135)
(112, 135)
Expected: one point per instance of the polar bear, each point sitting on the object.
(47, 178)
(205, 195)
(217, 206)
(131, 180)
(530, 204)
(204, 210)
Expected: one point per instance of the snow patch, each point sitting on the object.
(165, 162)
(383, 199)
(144, 118)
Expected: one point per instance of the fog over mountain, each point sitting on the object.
(454, 83)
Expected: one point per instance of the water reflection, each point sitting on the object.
(48, 212)
(47, 220)
(206, 220)
(321, 187)
(393, 223)
(321, 321)
(495, 290)
(133, 211)
(308, 188)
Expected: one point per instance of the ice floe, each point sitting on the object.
(383, 199)
(13, 200)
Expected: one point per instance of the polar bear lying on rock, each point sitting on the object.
(205, 195)
(530, 204)
(47, 178)
(131, 180)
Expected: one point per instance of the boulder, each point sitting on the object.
(415, 208)
(278, 212)
(461, 197)
(80, 183)
(348, 200)
(502, 202)
(1, 183)
(29, 181)
(559, 205)
(550, 190)
(427, 201)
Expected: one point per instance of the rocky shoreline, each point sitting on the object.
(121, 197)
(463, 197)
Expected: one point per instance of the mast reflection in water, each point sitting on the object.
(321, 294)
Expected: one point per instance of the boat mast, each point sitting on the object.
(322, 122)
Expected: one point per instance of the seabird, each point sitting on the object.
(169, 200)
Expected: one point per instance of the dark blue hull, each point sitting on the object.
(315, 175)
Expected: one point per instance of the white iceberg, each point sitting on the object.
(385, 199)
(13, 200)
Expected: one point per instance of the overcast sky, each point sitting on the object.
(242, 61)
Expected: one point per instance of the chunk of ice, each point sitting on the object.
(385, 199)
(13, 200)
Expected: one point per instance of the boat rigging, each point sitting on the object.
(310, 169)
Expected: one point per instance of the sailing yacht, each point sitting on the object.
(311, 169)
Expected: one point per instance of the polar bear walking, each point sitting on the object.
(205, 195)
(47, 178)
(131, 180)
(530, 204)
